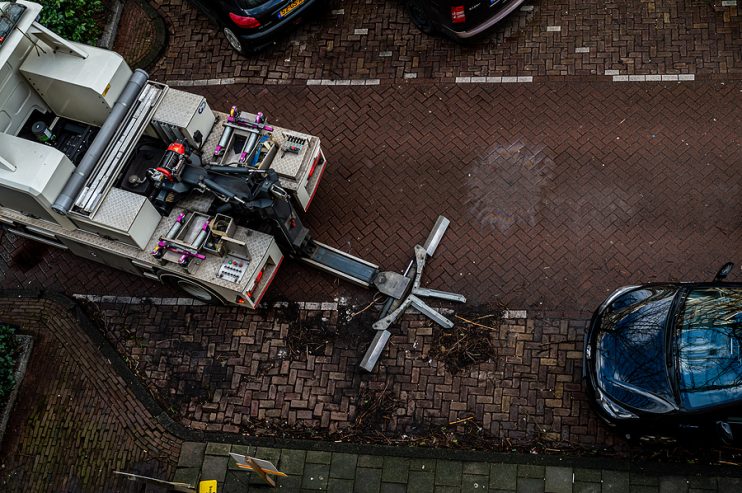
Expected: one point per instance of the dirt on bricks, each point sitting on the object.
(223, 370)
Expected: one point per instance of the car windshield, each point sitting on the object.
(631, 361)
(707, 347)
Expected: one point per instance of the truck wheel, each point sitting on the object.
(192, 288)
(420, 16)
(234, 41)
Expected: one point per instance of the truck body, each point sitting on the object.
(99, 160)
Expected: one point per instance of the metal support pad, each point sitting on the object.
(395, 285)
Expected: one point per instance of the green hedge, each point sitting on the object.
(77, 20)
(8, 354)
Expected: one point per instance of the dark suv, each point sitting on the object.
(250, 25)
(459, 19)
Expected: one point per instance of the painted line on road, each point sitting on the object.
(343, 82)
(653, 78)
(519, 79)
(494, 80)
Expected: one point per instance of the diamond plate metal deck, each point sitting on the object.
(289, 167)
(119, 209)
(177, 108)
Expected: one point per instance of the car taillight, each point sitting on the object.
(458, 16)
(242, 21)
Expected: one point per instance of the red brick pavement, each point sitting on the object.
(556, 194)
(227, 370)
(136, 33)
(633, 37)
(75, 421)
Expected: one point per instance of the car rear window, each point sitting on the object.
(708, 342)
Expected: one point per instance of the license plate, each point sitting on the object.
(289, 8)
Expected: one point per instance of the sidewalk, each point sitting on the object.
(83, 414)
(409, 472)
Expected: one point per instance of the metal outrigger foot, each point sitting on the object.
(403, 292)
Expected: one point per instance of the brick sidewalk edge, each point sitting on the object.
(189, 435)
(159, 45)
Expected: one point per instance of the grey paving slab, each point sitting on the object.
(315, 476)
(339, 485)
(615, 481)
(448, 473)
(676, 485)
(644, 488)
(289, 483)
(530, 471)
(479, 468)
(447, 489)
(504, 476)
(730, 484)
(188, 475)
(699, 483)
(271, 454)
(242, 450)
(319, 457)
(236, 482)
(644, 480)
(292, 461)
(588, 475)
(530, 485)
(395, 470)
(581, 487)
(558, 479)
(393, 488)
(370, 461)
(191, 454)
(343, 466)
(421, 482)
(368, 480)
(474, 483)
(213, 448)
(214, 467)
(425, 465)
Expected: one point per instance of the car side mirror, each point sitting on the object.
(724, 272)
(725, 432)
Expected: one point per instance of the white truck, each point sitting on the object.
(99, 160)
(103, 162)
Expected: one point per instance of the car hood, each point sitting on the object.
(630, 360)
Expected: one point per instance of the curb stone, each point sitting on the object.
(111, 29)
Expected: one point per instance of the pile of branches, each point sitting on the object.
(374, 409)
(308, 336)
(468, 343)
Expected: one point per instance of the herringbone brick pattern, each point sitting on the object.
(75, 421)
(225, 370)
(557, 194)
(701, 37)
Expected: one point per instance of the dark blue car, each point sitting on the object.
(666, 359)
(459, 19)
(249, 25)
